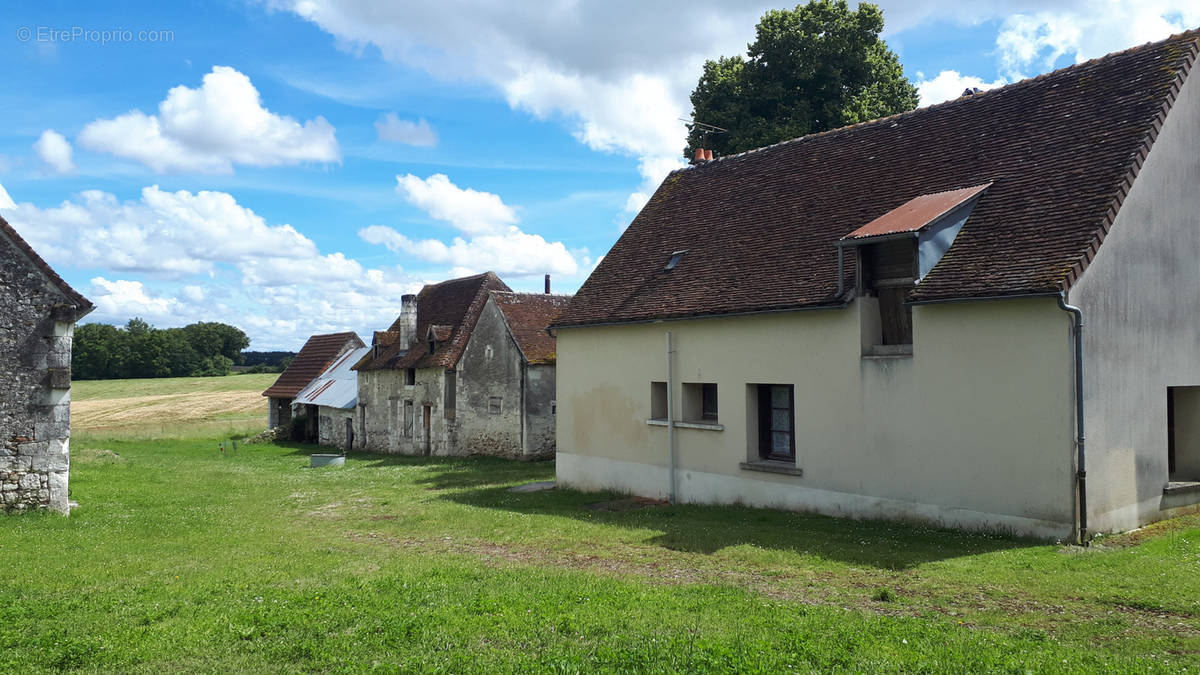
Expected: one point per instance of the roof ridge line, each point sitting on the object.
(83, 305)
(1194, 33)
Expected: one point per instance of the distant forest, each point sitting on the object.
(137, 350)
(266, 362)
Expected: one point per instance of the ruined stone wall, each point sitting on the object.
(490, 396)
(380, 423)
(35, 386)
(332, 426)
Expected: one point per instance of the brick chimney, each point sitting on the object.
(408, 319)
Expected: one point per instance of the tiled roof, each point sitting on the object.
(316, 355)
(83, 305)
(528, 315)
(455, 303)
(760, 228)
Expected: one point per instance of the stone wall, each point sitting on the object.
(540, 411)
(35, 367)
(380, 425)
(490, 397)
(332, 426)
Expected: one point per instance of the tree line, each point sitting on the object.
(105, 352)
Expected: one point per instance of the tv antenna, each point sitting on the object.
(705, 128)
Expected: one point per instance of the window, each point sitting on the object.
(487, 352)
(409, 419)
(495, 405)
(658, 400)
(450, 395)
(699, 402)
(889, 272)
(410, 376)
(553, 407)
(676, 258)
(776, 422)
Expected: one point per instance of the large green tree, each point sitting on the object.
(819, 66)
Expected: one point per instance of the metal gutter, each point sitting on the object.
(698, 317)
(986, 298)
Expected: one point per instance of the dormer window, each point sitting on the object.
(895, 252)
(676, 257)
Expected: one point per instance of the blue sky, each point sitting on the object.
(294, 167)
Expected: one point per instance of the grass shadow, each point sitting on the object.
(878, 544)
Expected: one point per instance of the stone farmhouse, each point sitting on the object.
(467, 368)
(915, 318)
(38, 311)
(318, 353)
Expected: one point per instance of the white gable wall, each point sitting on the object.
(1141, 304)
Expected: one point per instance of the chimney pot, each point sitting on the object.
(699, 154)
(547, 284)
(708, 155)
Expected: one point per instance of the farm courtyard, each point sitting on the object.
(181, 557)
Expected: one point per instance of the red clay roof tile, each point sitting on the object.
(528, 315)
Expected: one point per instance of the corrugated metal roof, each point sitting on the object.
(337, 387)
(916, 213)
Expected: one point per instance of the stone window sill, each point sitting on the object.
(1182, 488)
(888, 352)
(768, 466)
(704, 426)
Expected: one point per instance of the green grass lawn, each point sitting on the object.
(179, 558)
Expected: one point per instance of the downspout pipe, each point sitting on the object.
(841, 272)
(671, 417)
(1081, 460)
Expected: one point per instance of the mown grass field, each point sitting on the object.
(179, 407)
(180, 558)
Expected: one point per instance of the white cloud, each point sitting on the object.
(950, 84)
(496, 242)
(120, 300)
(1033, 42)
(211, 129)
(395, 130)
(6, 202)
(170, 234)
(193, 293)
(620, 85)
(468, 210)
(53, 148)
(512, 252)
